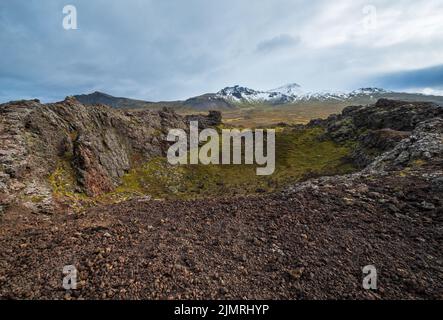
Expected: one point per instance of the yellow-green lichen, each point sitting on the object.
(299, 154)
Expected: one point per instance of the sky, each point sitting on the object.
(174, 49)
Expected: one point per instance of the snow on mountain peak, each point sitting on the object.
(243, 94)
(290, 93)
(370, 90)
(292, 89)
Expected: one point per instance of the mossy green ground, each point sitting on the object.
(299, 155)
(63, 184)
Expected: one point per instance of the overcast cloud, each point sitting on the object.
(174, 49)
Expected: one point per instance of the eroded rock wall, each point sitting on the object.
(377, 128)
(98, 143)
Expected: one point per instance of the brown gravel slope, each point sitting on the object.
(309, 244)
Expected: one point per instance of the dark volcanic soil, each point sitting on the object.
(309, 244)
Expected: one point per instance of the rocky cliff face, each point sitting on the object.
(425, 144)
(96, 145)
(396, 142)
(308, 242)
(88, 149)
(378, 128)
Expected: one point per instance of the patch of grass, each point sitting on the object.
(64, 187)
(63, 182)
(299, 155)
(37, 199)
(418, 163)
(62, 179)
(73, 135)
(262, 115)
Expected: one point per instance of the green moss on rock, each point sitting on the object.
(299, 155)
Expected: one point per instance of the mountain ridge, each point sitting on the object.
(238, 96)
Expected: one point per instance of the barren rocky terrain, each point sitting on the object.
(309, 241)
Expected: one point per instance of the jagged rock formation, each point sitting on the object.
(115, 102)
(377, 128)
(393, 137)
(309, 242)
(97, 143)
(212, 119)
(425, 143)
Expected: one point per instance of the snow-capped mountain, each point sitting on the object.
(292, 89)
(243, 94)
(234, 97)
(291, 93)
(238, 94)
(370, 93)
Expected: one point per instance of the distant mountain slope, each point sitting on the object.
(238, 97)
(122, 103)
(292, 94)
(204, 102)
(289, 89)
(115, 102)
(208, 102)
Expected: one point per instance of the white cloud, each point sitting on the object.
(159, 50)
(428, 91)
